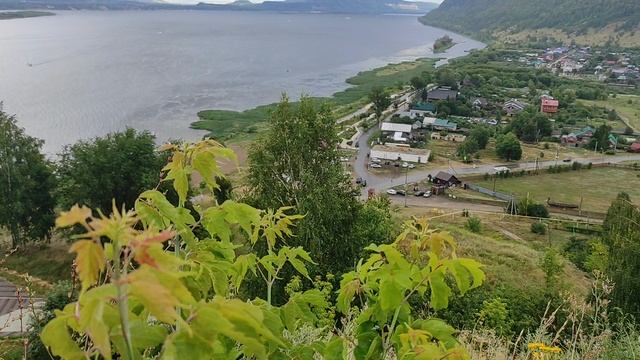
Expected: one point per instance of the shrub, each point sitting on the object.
(538, 228)
(546, 146)
(576, 166)
(474, 225)
(589, 166)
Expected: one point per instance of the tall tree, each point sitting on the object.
(380, 100)
(622, 238)
(26, 184)
(508, 147)
(118, 166)
(296, 163)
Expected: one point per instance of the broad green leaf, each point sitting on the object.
(475, 270)
(440, 291)
(391, 295)
(334, 350)
(90, 261)
(56, 336)
(349, 287)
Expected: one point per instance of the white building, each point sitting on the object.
(401, 153)
(393, 127)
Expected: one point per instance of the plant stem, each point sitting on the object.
(269, 286)
(123, 307)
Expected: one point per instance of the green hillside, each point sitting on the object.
(486, 17)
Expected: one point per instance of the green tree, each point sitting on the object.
(530, 126)
(622, 239)
(418, 83)
(600, 139)
(118, 166)
(296, 163)
(467, 148)
(481, 134)
(380, 100)
(26, 184)
(508, 147)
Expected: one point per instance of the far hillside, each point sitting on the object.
(585, 20)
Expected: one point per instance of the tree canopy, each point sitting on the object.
(296, 163)
(508, 147)
(116, 167)
(26, 184)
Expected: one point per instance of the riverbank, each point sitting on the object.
(244, 125)
(9, 15)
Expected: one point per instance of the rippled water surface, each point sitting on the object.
(83, 74)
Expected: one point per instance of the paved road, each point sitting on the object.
(382, 183)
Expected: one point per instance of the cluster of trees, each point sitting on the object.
(117, 167)
(530, 125)
(484, 17)
(477, 140)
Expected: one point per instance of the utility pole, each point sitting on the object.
(406, 177)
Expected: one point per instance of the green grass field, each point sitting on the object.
(226, 125)
(598, 187)
(627, 107)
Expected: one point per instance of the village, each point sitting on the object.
(479, 136)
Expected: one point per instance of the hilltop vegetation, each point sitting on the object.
(483, 18)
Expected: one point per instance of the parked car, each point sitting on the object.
(359, 180)
(375, 160)
(420, 193)
(411, 166)
(401, 192)
(344, 159)
(376, 166)
(427, 194)
(363, 183)
(405, 165)
(566, 159)
(392, 192)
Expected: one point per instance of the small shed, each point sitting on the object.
(446, 179)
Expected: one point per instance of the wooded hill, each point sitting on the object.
(486, 17)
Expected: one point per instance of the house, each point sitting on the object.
(399, 132)
(442, 93)
(635, 147)
(455, 138)
(436, 136)
(479, 103)
(513, 107)
(446, 179)
(442, 124)
(428, 122)
(549, 105)
(400, 153)
(583, 135)
(422, 110)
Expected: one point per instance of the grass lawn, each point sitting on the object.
(598, 186)
(630, 112)
(226, 125)
(506, 259)
(447, 150)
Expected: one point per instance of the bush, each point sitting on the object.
(589, 166)
(576, 166)
(474, 225)
(538, 228)
(61, 295)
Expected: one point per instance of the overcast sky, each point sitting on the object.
(255, 1)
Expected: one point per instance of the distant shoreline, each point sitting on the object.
(213, 120)
(10, 15)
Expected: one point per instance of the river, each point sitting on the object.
(82, 74)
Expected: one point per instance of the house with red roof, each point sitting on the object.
(549, 106)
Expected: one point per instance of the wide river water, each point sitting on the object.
(82, 74)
